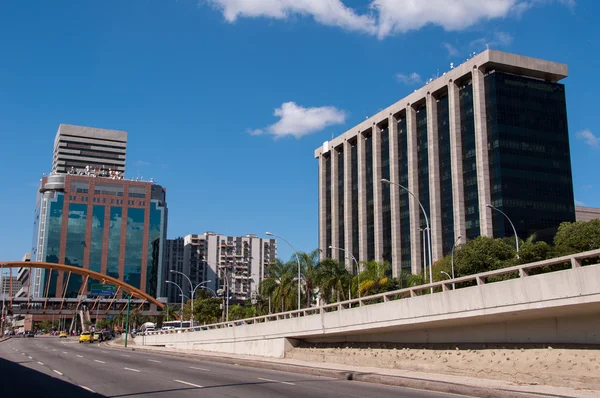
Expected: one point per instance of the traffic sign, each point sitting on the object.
(101, 289)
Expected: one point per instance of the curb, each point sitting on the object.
(398, 381)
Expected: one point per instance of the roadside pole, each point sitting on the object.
(127, 320)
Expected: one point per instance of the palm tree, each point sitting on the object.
(309, 263)
(374, 277)
(280, 283)
(333, 278)
(169, 312)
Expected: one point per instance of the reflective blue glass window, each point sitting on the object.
(97, 239)
(75, 245)
(114, 242)
(155, 244)
(134, 247)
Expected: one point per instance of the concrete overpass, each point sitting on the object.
(537, 305)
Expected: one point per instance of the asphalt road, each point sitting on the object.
(51, 367)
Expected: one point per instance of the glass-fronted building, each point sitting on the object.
(489, 134)
(113, 226)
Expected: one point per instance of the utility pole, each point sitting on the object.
(127, 320)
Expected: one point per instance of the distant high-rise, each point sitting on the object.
(78, 147)
(488, 137)
(215, 258)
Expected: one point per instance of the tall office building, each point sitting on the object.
(492, 131)
(174, 261)
(78, 147)
(217, 258)
(88, 215)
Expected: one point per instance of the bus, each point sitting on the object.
(175, 325)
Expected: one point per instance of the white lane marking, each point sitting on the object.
(56, 371)
(128, 356)
(40, 363)
(87, 388)
(80, 356)
(54, 349)
(277, 381)
(189, 384)
(95, 360)
(154, 360)
(133, 370)
(64, 352)
(106, 352)
(206, 370)
(29, 357)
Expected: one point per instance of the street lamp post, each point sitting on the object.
(355, 263)
(511, 224)
(297, 259)
(448, 275)
(181, 290)
(127, 320)
(452, 257)
(192, 294)
(386, 181)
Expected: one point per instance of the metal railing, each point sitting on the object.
(518, 271)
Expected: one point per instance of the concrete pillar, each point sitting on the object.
(394, 196)
(348, 205)
(458, 193)
(435, 204)
(322, 207)
(481, 149)
(377, 193)
(416, 257)
(334, 203)
(362, 198)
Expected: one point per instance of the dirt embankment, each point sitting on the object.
(574, 367)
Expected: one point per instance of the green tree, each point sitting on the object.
(532, 251)
(169, 312)
(373, 277)
(483, 254)
(333, 280)
(577, 237)
(280, 284)
(309, 264)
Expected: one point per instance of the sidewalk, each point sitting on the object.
(470, 386)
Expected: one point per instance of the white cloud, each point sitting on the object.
(327, 12)
(298, 121)
(452, 51)
(589, 138)
(498, 39)
(412, 78)
(141, 163)
(579, 203)
(386, 17)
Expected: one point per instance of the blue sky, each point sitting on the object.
(225, 101)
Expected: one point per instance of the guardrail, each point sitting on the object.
(518, 271)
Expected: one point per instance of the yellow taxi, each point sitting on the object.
(63, 335)
(86, 337)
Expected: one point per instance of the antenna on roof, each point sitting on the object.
(451, 65)
(487, 46)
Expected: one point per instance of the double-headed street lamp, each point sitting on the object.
(192, 292)
(386, 181)
(355, 263)
(452, 257)
(181, 290)
(511, 224)
(297, 259)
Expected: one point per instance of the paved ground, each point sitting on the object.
(49, 367)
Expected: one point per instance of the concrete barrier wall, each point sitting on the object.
(558, 307)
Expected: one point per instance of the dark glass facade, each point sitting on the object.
(467, 128)
(327, 166)
(114, 242)
(340, 205)
(423, 167)
(370, 203)
(445, 174)
(97, 242)
(386, 197)
(134, 247)
(156, 236)
(123, 238)
(529, 158)
(403, 195)
(354, 161)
